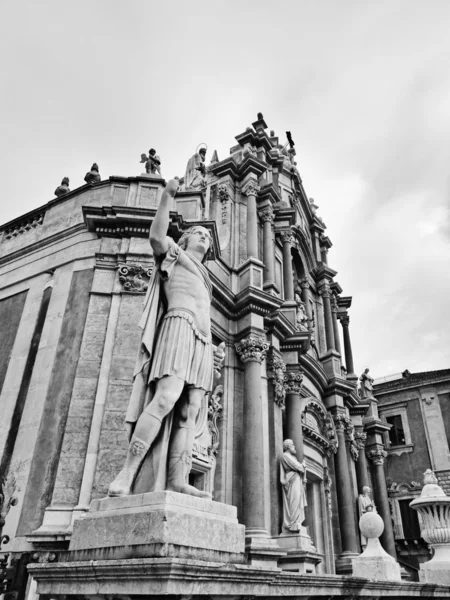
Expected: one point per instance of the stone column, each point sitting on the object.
(377, 455)
(362, 476)
(293, 386)
(334, 310)
(349, 536)
(268, 246)
(252, 351)
(288, 277)
(329, 332)
(251, 189)
(345, 320)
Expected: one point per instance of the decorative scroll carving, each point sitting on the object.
(24, 225)
(223, 194)
(252, 348)
(404, 487)
(327, 482)
(214, 408)
(251, 188)
(377, 455)
(318, 426)
(293, 382)
(134, 278)
(276, 371)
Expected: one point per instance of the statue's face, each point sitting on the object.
(199, 240)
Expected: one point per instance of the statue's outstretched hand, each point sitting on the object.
(172, 187)
(219, 356)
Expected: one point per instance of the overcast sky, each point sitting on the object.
(363, 87)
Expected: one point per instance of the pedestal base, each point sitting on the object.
(262, 550)
(158, 524)
(376, 564)
(437, 570)
(302, 556)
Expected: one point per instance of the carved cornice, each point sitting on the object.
(251, 349)
(377, 455)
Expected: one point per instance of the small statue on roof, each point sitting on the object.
(93, 176)
(195, 176)
(63, 188)
(152, 163)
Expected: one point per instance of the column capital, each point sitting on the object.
(251, 188)
(377, 455)
(252, 348)
(360, 439)
(287, 237)
(304, 283)
(266, 215)
(324, 290)
(276, 370)
(293, 381)
(342, 422)
(345, 320)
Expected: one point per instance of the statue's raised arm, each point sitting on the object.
(158, 230)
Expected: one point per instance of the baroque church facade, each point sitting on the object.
(73, 277)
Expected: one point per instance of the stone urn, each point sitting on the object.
(433, 507)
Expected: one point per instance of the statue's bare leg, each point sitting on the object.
(181, 444)
(168, 390)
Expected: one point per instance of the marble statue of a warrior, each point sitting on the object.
(293, 482)
(196, 171)
(175, 364)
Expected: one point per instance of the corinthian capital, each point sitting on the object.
(377, 455)
(342, 422)
(286, 236)
(304, 283)
(345, 320)
(360, 439)
(251, 188)
(252, 348)
(324, 290)
(293, 382)
(266, 216)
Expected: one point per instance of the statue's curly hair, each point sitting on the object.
(184, 239)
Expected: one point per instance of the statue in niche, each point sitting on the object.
(93, 176)
(366, 384)
(175, 366)
(301, 317)
(195, 176)
(63, 188)
(293, 482)
(365, 504)
(152, 163)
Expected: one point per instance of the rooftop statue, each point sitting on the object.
(293, 481)
(93, 176)
(63, 188)
(195, 176)
(366, 381)
(175, 365)
(152, 163)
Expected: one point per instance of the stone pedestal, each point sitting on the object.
(158, 524)
(374, 563)
(301, 556)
